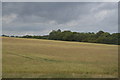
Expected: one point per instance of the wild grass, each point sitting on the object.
(37, 58)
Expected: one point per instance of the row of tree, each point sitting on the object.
(29, 36)
(99, 37)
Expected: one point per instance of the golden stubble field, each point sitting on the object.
(37, 58)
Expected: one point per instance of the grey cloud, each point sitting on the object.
(44, 17)
(61, 12)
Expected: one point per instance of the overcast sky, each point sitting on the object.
(38, 18)
(0, 11)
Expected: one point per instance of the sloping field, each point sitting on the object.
(58, 59)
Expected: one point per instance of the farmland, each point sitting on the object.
(39, 58)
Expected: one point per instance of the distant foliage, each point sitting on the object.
(99, 37)
(36, 37)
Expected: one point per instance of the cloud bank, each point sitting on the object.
(39, 18)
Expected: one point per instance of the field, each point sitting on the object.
(37, 58)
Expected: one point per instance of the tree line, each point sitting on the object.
(91, 37)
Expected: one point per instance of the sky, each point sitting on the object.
(60, 0)
(40, 18)
(0, 18)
